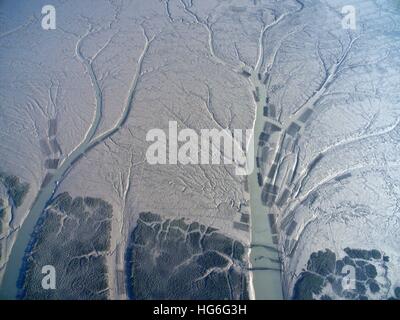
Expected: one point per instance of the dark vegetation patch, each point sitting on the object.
(73, 235)
(373, 286)
(324, 270)
(363, 254)
(397, 292)
(16, 189)
(322, 262)
(170, 259)
(211, 259)
(308, 285)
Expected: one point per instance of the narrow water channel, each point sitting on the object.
(8, 288)
(264, 256)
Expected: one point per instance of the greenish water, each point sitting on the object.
(264, 255)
